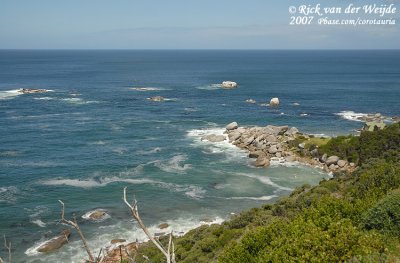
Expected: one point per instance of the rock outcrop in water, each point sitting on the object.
(56, 242)
(274, 102)
(281, 144)
(229, 84)
(29, 91)
(156, 99)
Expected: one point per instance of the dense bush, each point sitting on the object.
(385, 215)
(346, 147)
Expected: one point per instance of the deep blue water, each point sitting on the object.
(93, 134)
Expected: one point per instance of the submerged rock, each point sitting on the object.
(56, 242)
(156, 99)
(213, 138)
(251, 101)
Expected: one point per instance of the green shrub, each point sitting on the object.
(385, 215)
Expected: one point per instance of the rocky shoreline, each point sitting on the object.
(280, 144)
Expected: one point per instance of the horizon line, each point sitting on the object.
(198, 49)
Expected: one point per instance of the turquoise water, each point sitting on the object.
(92, 134)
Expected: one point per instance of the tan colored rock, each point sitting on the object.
(342, 163)
(97, 215)
(56, 242)
(274, 102)
(229, 84)
(163, 226)
(117, 240)
(262, 161)
(232, 126)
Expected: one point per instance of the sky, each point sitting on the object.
(185, 24)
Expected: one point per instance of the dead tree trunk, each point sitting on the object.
(75, 225)
(8, 247)
(135, 214)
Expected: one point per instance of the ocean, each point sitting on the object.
(95, 132)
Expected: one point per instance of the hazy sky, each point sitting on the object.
(177, 24)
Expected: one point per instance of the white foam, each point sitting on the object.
(150, 151)
(148, 89)
(191, 191)
(38, 222)
(8, 194)
(79, 101)
(99, 143)
(210, 87)
(195, 192)
(174, 165)
(352, 116)
(265, 180)
(232, 153)
(9, 94)
(120, 150)
(89, 183)
(44, 98)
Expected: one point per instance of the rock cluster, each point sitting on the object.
(263, 143)
(279, 143)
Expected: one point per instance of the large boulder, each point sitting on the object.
(332, 160)
(323, 158)
(248, 140)
(213, 138)
(273, 149)
(292, 132)
(314, 153)
(163, 226)
(98, 214)
(274, 102)
(256, 154)
(232, 126)
(229, 84)
(234, 136)
(271, 138)
(262, 161)
(278, 130)
(56, 242)
(342, 163)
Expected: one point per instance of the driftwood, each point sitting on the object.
(169, 253)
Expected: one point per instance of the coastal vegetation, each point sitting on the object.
(352, 217)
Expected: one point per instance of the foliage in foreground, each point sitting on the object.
(349, 218)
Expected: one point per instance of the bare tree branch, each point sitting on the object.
(135, 214)
(8, 247)
(78, 229)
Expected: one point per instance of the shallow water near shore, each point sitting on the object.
(96, 132)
